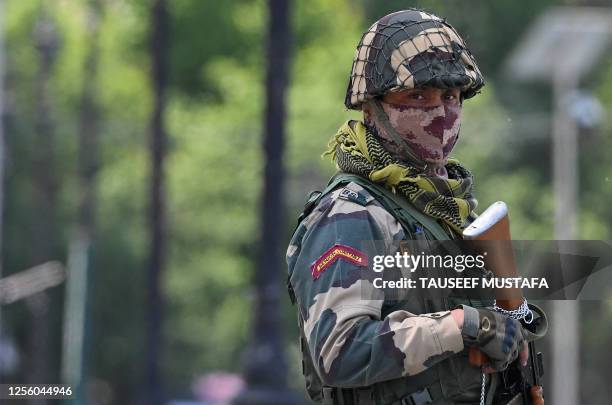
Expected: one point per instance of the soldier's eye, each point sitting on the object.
(416, 96)
(451, 98)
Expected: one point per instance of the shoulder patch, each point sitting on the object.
(338, 252)
(355, 193)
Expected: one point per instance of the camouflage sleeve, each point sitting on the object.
(350, 344)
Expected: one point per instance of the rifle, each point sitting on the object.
(535, 370)
(494, 225)
(522, 384)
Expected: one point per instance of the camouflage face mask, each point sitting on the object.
(426, 134)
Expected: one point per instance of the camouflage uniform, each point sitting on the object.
(358, 343)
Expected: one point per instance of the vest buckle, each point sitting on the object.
(418, 398)
(328, 394)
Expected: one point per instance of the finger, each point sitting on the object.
(524, 354)
(488, 370)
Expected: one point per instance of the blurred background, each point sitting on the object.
(144, 218)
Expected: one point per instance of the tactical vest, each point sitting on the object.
(451, 378)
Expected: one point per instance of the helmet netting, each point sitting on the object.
(411, 49)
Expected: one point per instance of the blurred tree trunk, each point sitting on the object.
(89, 159)
(2, 147)
(81, 245)
(157, 217)
(45, 231)
(6, 366)
(266, 368)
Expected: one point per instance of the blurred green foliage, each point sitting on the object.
(215, 163)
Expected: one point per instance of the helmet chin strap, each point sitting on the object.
(383, 119)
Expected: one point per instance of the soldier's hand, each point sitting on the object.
(523, 357)
(499, 337)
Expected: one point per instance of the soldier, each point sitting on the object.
(411, 73)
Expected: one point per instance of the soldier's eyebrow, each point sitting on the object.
(410, 92)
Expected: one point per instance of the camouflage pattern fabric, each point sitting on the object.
(351, 343)
(430, 132)
(409, 49)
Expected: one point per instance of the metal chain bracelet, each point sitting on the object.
(521, 313)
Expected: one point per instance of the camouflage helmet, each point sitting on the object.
(408, 49)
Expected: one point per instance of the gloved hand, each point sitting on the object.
(498, 336)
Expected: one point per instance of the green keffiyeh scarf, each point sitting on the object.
(357, 150)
